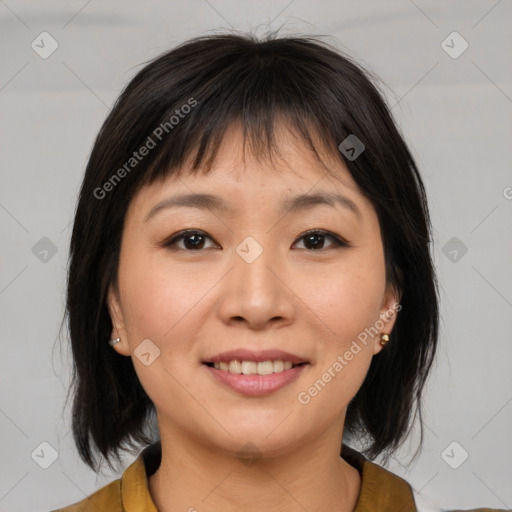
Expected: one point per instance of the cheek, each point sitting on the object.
(158, 299)
(160, 304)
(348, 305)
(347, 298)
(346, 301)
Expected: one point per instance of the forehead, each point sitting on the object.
(288, 162)
(240, 175)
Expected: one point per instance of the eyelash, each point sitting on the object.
(174, 239)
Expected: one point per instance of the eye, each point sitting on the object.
(193, 240)
(314, 240)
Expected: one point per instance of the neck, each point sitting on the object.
(193, 476)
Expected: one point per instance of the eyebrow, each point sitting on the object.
(292, 204)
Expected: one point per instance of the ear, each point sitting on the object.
(388, 313)
(118, 323)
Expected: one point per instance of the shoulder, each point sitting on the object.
(425, 504)
(131, 490)
(106, 498)
(380, 489)
(479, 510)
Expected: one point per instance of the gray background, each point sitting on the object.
(456, 115)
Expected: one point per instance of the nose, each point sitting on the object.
(258, 293)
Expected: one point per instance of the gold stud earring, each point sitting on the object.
(384, 338)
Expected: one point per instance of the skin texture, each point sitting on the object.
(195, 303)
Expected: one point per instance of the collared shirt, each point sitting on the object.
(380, 491)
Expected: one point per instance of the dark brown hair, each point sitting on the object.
(224, 79)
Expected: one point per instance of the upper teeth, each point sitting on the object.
(253, 367)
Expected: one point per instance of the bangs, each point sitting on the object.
(261, 90)
(262, 140)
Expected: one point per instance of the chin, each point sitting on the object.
(262, 440)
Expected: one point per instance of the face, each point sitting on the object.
(260, 281)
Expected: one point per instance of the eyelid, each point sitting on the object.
(176, 237)
(338, 240)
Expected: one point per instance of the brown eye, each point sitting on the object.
(314, 240)
(193, 240)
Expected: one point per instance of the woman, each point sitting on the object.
(252, 237)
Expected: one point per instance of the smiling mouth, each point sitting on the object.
(254, 367)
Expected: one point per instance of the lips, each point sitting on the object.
(256, 356)
(256, 385)
(255, 373)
